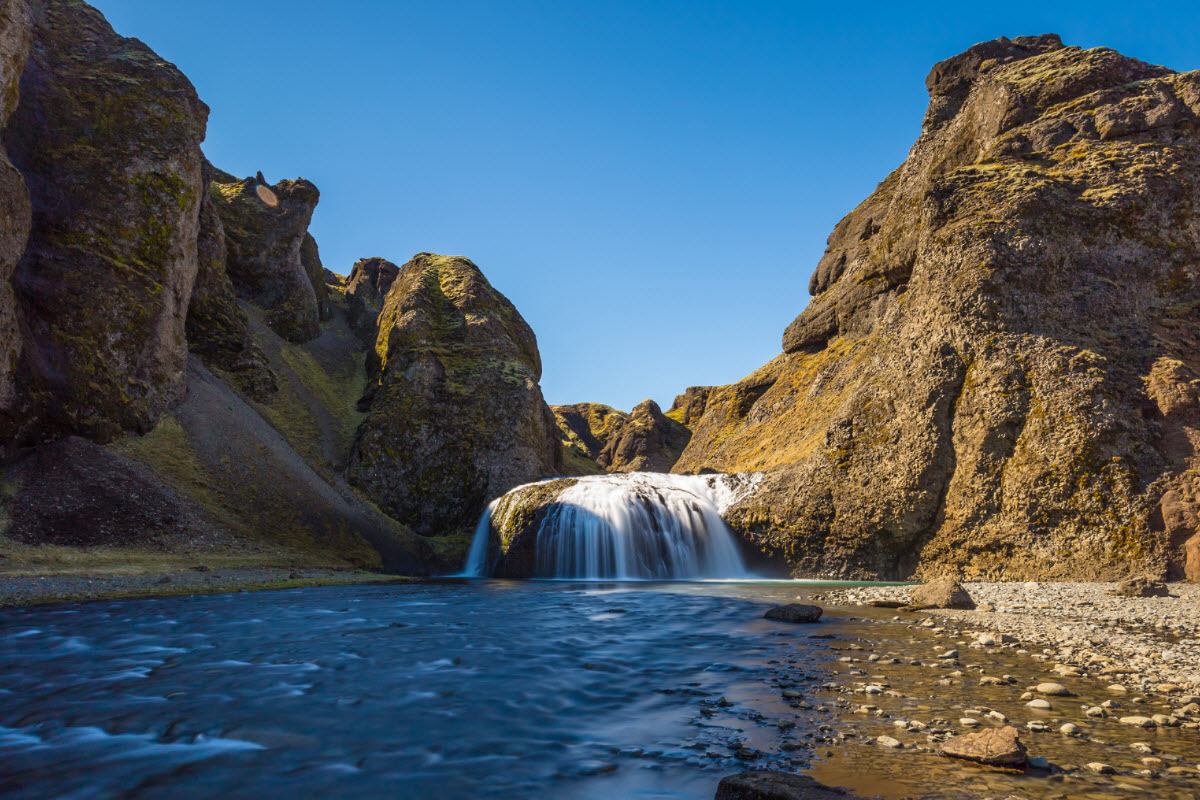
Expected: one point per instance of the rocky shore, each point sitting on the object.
(33, 589)
(1143, 645)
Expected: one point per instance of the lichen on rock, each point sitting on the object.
(103, 285)
(994, 374)
(455, 413)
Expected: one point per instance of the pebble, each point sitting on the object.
(1039, 704)
(1070, 729)
(888, 741)
(1103, 769)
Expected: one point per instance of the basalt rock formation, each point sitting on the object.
(598, 439)
(369, 282)
(455, 413)
(997, 374)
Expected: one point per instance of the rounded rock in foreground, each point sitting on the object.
(766, 785)
(995, 747)
(1039, 704)
(794, 612)
(1052, 689)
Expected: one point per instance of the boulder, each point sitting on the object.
(264, 235)
(455, 416)
(994, 747)
(766, 785)
(1141, 587)
(794, 612)
(107, 136)
(940, 593)
(934, 407)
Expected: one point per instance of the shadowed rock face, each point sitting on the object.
(996, 373)
(217, 329)
(369, 282)
(456, 416)
(102, 287)
(264, 244)
(16, 31)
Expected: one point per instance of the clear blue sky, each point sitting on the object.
(651, 183)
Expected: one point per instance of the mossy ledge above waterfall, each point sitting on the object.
(997, 373)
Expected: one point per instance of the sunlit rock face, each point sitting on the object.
(455, 415)
(637, 525)
(996, 375)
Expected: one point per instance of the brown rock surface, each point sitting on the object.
(456, 416)
(1141, 587)
(107, 136)
(995, 375)
(585, 429)
(645, 441)
(994, 747)
(940, 593)
(689, 406)
(263, 245)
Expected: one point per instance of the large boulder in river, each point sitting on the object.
(794, 612)
(940, 593)
(998, 371)
(1141, 586)
(107, 135)
(456, 415)
(264, 234)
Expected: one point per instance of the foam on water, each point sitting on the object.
(633, 526)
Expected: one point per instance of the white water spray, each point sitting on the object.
(637, 525)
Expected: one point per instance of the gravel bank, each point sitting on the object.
(1143, 645)
(23, 590)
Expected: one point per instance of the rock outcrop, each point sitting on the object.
(599, 439)
(217, 329)
(107, 136)
(456, 415)
(264, 243)
(369, 282)
(310, 258)
(940, 593)
(689, 407)
(645, 441)
(997, 373)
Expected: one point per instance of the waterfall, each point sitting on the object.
(630, 526)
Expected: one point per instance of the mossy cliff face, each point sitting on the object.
(456, 417)
(598, 439)
(997, 373)
(646, 441)
(515, 522)
(584, 430)
(107, 136)
(217, 330)
(16, 36)
(264, 245)
(369, 282)
(689, 407)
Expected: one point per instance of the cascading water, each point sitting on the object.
(630, 526)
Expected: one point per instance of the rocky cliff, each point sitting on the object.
(455, 413)
(598, 439)
(997, 373)
(180, 376)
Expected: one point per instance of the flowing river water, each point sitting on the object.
(485, 688)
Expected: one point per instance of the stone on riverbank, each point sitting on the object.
(940, 593)
(1140, 587)
(765, 785)
(794, 612)
(995, 747)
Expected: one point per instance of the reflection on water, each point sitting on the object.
(457, 689)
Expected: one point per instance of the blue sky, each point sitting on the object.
(651, 183)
